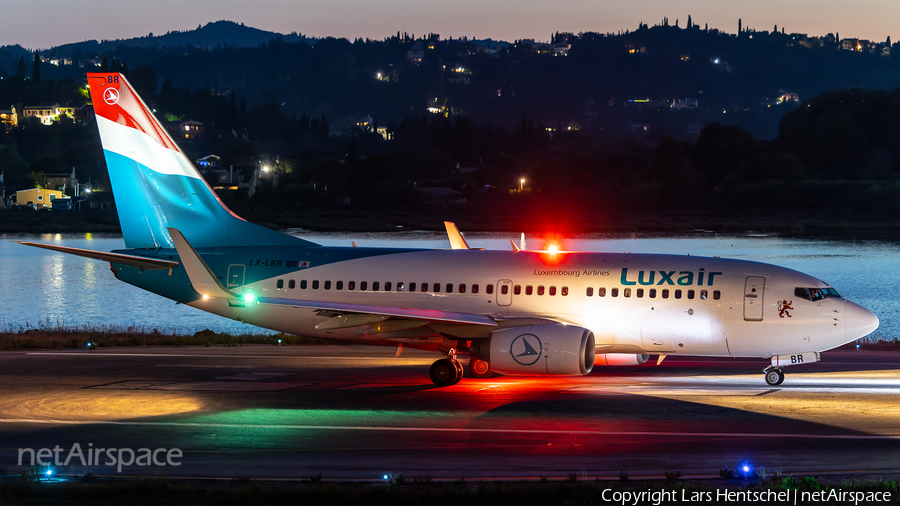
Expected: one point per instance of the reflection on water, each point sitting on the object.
(39, 286)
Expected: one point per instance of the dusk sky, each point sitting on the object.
(39, 24)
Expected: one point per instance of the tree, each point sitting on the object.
(739, 25)
(689, 24)
(36, 69)
(20, 70)
(323, 127)
(38, 179)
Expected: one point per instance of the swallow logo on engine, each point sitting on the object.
(526, 349)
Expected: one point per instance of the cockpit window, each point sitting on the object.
(815, 294)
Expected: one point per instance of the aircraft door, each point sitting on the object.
(504, 292)
(754, 289)
(235, 280)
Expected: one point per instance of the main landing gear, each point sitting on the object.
(774, 377)
(446, 371)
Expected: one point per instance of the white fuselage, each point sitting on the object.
(633, 303)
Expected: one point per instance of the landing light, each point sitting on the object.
(553, 248)
(205, 297)
(249, 297)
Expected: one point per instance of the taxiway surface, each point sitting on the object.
(353, 412)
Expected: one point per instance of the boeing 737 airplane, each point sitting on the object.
(513, 312)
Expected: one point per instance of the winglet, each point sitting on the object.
(456, 239)
(515, 248)
(202, 279)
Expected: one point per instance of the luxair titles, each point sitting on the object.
(675, 278)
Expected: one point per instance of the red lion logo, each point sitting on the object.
(784, 308)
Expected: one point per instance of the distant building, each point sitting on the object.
(48, 113)
(416, 54)
(209, 161)
(8, 119)
(190, 130)
(40, 197)
(684, 103)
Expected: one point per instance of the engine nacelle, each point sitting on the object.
(620, 359)
(538, 349)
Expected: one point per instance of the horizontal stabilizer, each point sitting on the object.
(116, 258)
(432, 315)
(202, 279)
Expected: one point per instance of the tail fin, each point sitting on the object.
(155, 184)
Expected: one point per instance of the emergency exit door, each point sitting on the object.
(504, 292)
(754, 290)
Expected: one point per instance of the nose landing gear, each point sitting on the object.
(774, 377)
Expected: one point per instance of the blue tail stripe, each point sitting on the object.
(148, 202)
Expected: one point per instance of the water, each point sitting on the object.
(39, 286)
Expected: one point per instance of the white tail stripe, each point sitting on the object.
(142, 148)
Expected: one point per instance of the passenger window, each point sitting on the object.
(565, 291)
(292, 284)
(375, 286)
(303, 284)
(590, 291)
(717, 295)
(475, 288)
(529, 290)
(517, 290)
(690, 294)
(665, 293)
(462, 288)
(449, 288)
(640, 292)
(338, 285)
(436, 288)
(489, 289)
(363, 285)
(328, 285)
(412, 287)
(504, 289)
(552, 290)
(702, 294)
(677, 294)
(424, 287)
(601, 292)
(540, 290)
(387, 286)
(279, 284)
(399, 286)
(652, 293)
(614, 292)
(351, 285)
(627, 292)
(315, 284)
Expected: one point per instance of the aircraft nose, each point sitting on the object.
(858, 321)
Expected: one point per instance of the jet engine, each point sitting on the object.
(620, 359)
(538, 349)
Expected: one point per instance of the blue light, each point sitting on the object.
(746, 469)
(49, 472)
(385, 477)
